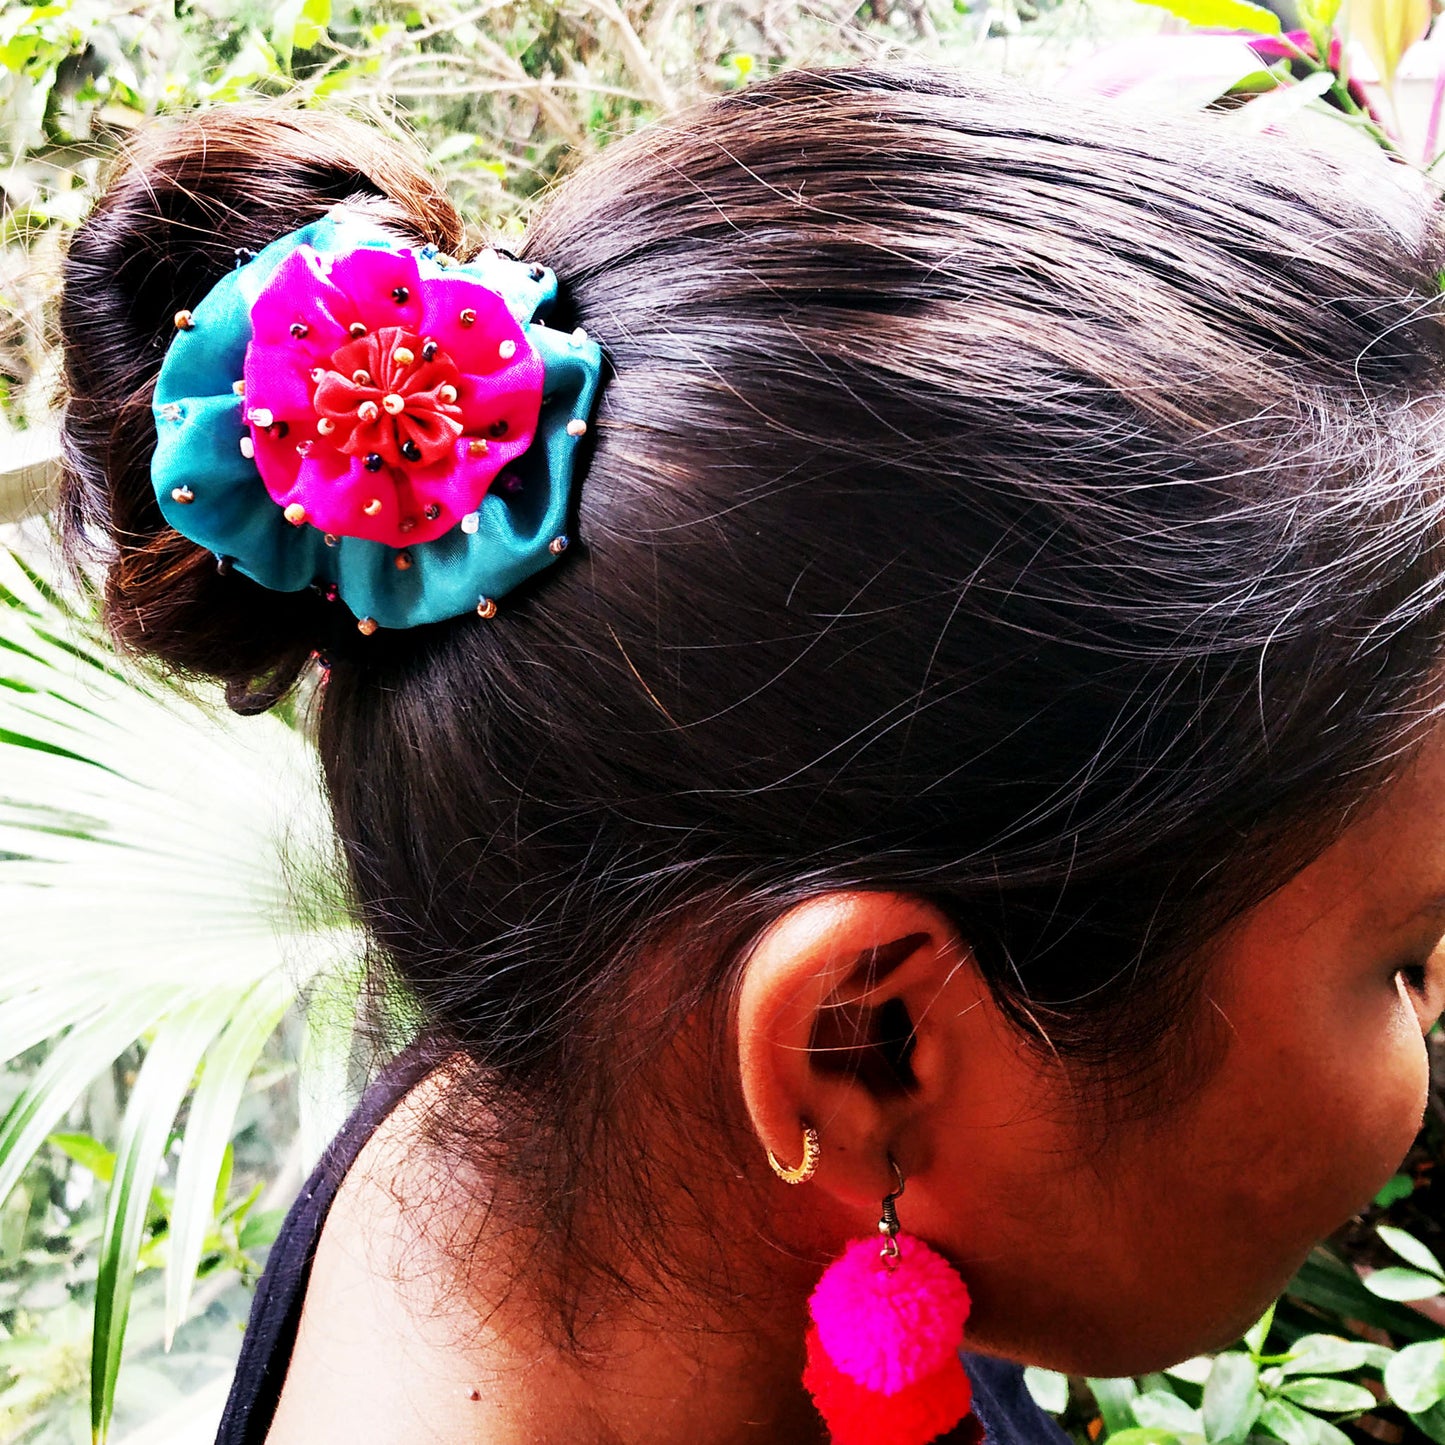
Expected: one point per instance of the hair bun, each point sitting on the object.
(186, 202)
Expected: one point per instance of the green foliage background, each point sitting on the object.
(177, 969)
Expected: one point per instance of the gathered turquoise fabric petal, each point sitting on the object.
(205, 470)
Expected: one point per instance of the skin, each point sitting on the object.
(1107, 1254)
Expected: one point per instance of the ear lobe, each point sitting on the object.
(828, 1013)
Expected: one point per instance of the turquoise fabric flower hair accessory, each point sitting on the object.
(374, 418)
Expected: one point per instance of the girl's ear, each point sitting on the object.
(847, 1013)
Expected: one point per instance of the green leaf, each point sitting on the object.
(88, 1152)
(163, 1081)
(1410, 1250)
(1333, 1397)
(1430, 1422)
(1259, 1332)
(1146, 1436)
(315, 17)
(1328, 1434)
(1401, 1284)
(1161, 1410)
(1050, 1389)
(223, 1181)
(68, 1067)
(208, 1130)
(1395, 1188)
(1231, 1398)
(1193, 1372)
(1325, 1355)
(261, 1228)
(1115, 1399)
(1223, 15)
(1327, 1283)
(1415, 1378)
(1287, 1422)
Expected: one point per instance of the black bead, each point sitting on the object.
(299, 329)
(433, 511)
(400, 295)
(223, 565)
(280, 428)
(428, 351)
(536, 272)
(410, 450)
(372, 462)
(497, 429)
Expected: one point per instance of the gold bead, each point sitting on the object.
(393, 403)
(799, 1173)
(468, 316)
(182, 495)
(373, 507)
(330, 539)
(295, 514)
(361, 376)
(403, 356)
(477, 447)
(366, 626)
(325, 425)
(239, 387)
(447, 393)
(184, 321)
(403, 561)
(557, 546)
(357, 328)
(577, 427)
(486, 608)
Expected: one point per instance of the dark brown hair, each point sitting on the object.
(998, 498)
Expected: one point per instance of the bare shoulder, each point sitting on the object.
(374, 1361)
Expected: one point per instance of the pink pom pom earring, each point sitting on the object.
(883, 1364)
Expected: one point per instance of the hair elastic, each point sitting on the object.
(400, 430)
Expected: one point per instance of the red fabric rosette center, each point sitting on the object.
(392, 394)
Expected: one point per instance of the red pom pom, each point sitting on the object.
(918, 1413)
(886, 1325)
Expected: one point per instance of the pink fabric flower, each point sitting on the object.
(382, 399)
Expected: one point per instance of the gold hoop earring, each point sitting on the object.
(803, 1172)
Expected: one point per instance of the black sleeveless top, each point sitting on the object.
(1004, 1408)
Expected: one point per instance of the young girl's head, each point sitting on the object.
(985, 712)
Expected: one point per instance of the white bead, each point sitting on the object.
(507, 350)
(248, 447)
(471, 522)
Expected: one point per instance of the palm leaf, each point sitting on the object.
(164, 1080)
(224, 1075)
(151, 848)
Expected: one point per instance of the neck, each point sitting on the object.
(437, 1261)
